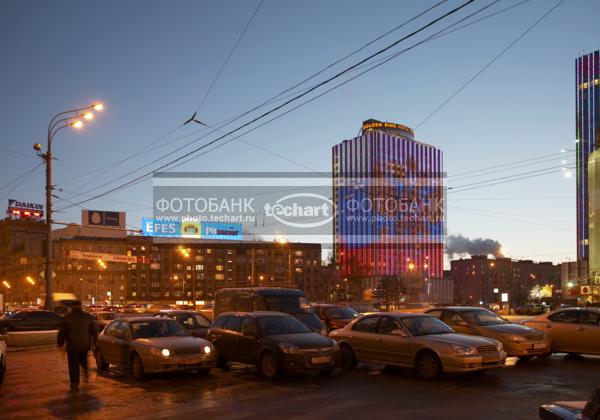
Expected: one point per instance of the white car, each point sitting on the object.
(2, 357)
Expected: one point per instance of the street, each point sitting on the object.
(36, 386)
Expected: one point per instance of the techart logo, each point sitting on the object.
(301, 210)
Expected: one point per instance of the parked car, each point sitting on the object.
(573, 410)
(30, 321)
(103, 318)
(572, 330)
(530, 309)
(135, 308)
(251, 299)
(158, 307)
(417, 341)
(194, 322)
(2, 357)
(335, 316)
(518, 340)
(148, 344)
(272, 341)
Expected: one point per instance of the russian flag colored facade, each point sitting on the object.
(388, 190)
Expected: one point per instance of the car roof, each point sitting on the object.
(142, 318)
(397, 314)
(264, 291)
(178, 312)
(256, 314)
(458, 308)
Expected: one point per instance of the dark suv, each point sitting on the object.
(194, 322)
(272, 341)
(30, 321)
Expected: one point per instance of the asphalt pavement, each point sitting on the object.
(36, 386)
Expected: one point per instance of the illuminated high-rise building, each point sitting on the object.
(587, 74)
(389, 196)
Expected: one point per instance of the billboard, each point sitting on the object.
(19, 209)
(191, 229)
(115, 219)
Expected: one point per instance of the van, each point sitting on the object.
(280, 299)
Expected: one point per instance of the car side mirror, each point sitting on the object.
(399, 333)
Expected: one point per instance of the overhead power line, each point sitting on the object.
(334, 77)
(492, 61)
(229, 56)
(16, 183)
(14, 152)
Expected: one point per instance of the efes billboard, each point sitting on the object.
(191, 229)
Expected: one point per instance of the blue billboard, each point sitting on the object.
(190, 229)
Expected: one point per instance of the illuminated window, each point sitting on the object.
(219, 276)
(219, 267)
(585, 85)
(199, 267)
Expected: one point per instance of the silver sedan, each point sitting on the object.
(146, 345)
(571, 330)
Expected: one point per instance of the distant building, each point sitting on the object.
(480, 281)
(22, 255)
(165, 273)
(594, 218)
(389, 220)
(587, 127)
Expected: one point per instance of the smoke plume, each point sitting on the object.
(459, 245)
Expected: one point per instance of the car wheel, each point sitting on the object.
(5, 330)
(428, 365)
(136, 368)
(101, 363)
(348, 357)
(269, 368)
(203, 371)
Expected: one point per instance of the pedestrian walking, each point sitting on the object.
(78, 331)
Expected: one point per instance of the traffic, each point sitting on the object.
(278, 329)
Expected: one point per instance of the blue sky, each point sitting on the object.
(152, 62)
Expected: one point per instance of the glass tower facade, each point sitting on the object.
(587, 74)
(388, 190)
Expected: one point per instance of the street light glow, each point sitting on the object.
(6, 284)
(77, 124)
(88, 115)
(99, 106)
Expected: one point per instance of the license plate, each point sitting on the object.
(320, 360)
(539, 346)
(189, 361)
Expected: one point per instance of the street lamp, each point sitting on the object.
(69, 118)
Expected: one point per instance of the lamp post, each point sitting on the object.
(70, 118)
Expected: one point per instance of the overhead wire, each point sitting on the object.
(486, 66)
(328, 80)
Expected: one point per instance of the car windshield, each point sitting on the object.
(483, 317)
(273, 325)
(13, 315)
(341, 313)
(162, 328)
(426, 325)
(288, 304)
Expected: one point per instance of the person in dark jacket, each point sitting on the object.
(78, 331)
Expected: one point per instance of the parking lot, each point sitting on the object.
(36, 386)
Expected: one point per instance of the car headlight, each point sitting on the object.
(155, 351)
(289, 348)
(458, 349)
(511, 337)
(207, 349)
